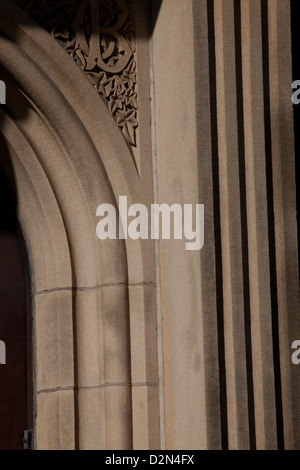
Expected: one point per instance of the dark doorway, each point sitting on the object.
(15, 324)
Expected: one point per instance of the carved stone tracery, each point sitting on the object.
(99, 36)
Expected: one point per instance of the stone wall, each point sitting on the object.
(141, 344)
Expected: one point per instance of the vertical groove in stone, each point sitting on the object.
(244, 225)
(217, 225)
(233, 297)
(271, 228)
(215, 379)
(257, 216)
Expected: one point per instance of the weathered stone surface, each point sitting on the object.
(143, 344)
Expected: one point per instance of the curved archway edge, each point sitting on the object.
(93, 302)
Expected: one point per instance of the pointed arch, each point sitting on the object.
(68, 156)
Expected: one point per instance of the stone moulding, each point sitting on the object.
(78, 284)
(100, 37)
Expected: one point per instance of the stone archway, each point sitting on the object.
(88, 296)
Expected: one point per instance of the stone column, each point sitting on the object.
(224, 138)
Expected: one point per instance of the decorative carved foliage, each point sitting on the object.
(99, 36)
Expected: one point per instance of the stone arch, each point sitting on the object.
(68, 156)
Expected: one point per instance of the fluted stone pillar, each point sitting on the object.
(224, 137)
